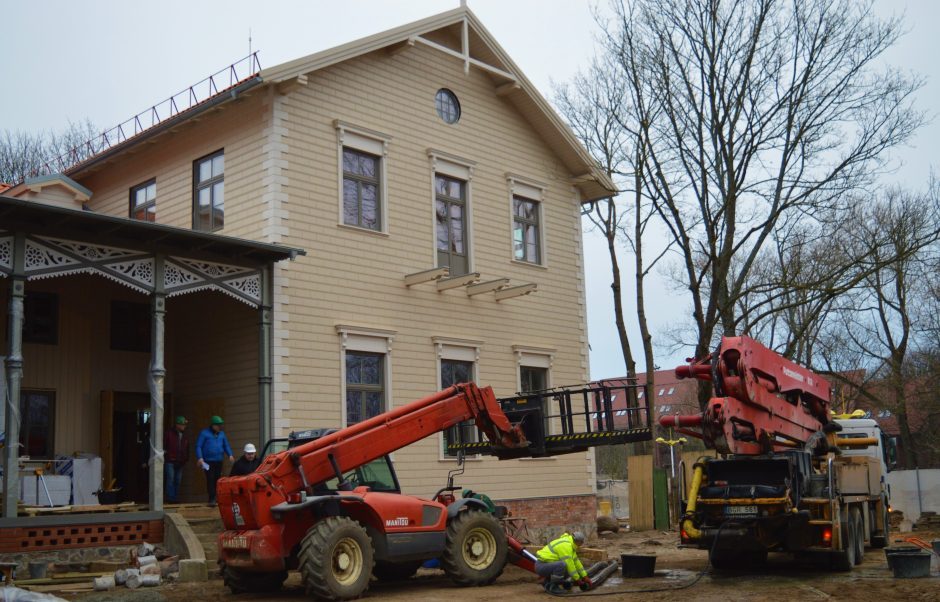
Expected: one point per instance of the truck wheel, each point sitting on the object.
(336, 559)
(844, 560)
(244, 581)
(395, 571)
(881, 540)
(856, 516)
(475, 549)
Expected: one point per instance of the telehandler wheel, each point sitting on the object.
(336, 559)
(856, 516)
(881, 540)
(475, 549)
(244, 581)
(395, 571)
(844, 560)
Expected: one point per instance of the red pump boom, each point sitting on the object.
(762, 401)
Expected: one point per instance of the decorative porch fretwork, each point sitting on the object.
(181, 275)
(6, 255)
(50, 257)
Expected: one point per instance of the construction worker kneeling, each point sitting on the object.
(559, 566)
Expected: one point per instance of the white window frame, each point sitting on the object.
(374, 143)
(536, 357)
(532, 190)
(452, 166)
(367, 340)
(464, 350)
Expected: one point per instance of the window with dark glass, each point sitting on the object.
(144, 201)
(41, 318)
(130, 326)
(451, 212)
(532, 379)
(37, 423)
(447, 105)
(209, 192)
(525, 230)
(365, 386)
(452, 373)
(361, 190)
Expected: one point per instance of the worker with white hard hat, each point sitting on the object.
(248, 463)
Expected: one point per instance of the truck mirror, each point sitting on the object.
(891, 452)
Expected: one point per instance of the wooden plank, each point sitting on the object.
(640, 477)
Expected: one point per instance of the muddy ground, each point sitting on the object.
(780, 580)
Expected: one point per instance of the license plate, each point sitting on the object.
(741, 510)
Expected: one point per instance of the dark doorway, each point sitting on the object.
(131, 445)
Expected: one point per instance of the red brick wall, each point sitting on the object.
(58, 537)
(550, 516)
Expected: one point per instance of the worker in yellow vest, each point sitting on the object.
(559, 560)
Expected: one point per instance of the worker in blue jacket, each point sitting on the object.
(211, 448)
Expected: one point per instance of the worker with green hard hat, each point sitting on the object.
(211, 449)
(175, 456)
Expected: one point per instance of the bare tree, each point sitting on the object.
(28, 154)
(597, 104)
(883, 325)
(756, 116)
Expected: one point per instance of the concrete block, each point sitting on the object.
(193, 570)
(591, 555)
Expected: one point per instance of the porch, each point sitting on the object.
(115, 327)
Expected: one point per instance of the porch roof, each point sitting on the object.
(47, 220)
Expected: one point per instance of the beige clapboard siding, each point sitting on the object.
(352, 277)
(349, 290)
(81, 364)
(237, 129)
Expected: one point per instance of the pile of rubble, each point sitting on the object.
(148, 567)
(928, 521)
(895, 517)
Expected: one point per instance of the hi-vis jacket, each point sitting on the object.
(563, 548)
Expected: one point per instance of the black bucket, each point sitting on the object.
(908, 563)
(636, 566)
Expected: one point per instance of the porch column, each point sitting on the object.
(155, 382)
(14, 375)
(265, 357)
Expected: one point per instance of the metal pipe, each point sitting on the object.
(687, 524)
(920, 500)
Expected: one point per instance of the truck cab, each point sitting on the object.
(859, 428)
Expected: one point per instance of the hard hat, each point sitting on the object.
(216, 420)
(250, 448)
(181, 420)
(578, 537)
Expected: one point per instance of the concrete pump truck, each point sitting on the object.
(791, 479)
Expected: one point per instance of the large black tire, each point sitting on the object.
(844, 560)
(881, 539)
(395, 571)
(856, 516)
(336, 559)
(240, 582)
(475, 549)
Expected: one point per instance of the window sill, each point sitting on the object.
(363, 230)
(529, 264)
(473, 458)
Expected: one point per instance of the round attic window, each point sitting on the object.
(448, 107)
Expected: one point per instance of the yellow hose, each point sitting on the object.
(687, 525)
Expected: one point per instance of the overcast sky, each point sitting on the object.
(107, 60)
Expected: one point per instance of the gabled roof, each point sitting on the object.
(479, 50)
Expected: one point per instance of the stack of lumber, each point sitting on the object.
(928, 521)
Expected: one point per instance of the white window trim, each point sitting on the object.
(535, 357)
(532, 190)
(453, 166)
(367, 141)
(369, 340)
(464, 350)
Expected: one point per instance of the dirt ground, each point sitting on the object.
(781, 579)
